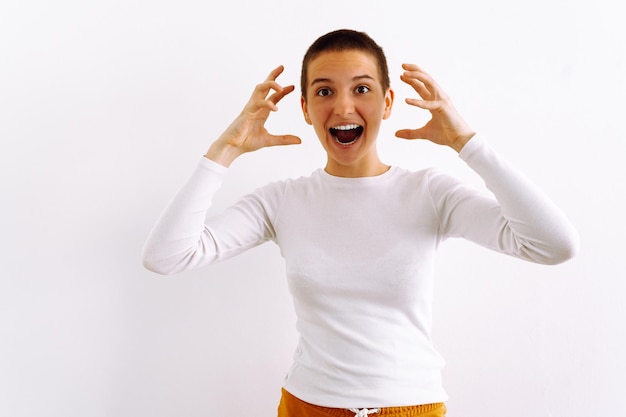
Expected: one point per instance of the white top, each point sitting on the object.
(359, 258)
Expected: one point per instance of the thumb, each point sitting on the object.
(410, 134)
(280, 140)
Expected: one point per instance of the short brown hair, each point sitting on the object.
(344, 40)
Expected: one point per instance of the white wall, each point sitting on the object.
(105, 107)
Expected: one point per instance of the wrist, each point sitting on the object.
(222, 153)
(461, 140)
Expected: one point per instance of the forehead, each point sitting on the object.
(340, 65)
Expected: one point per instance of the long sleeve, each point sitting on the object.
(359, 261)
(522, 221)
(185, 237)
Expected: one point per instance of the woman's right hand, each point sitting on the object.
(247, 133)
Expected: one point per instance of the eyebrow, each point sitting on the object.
(328, 80)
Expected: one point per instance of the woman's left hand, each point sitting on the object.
(446, 127)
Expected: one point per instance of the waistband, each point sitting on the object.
(404, 411)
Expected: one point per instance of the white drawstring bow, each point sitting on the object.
(364, 412)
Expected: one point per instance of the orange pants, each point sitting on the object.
(291, 406)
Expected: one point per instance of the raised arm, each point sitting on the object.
(183, 238)
(521, 221)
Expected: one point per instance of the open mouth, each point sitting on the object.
(346, 134)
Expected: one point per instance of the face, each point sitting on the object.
(346, 104)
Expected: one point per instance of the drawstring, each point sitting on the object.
(364, 412)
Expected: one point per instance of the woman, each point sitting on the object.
(358, 236)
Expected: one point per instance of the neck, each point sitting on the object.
(352, 171)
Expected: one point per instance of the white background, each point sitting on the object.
(105, 108)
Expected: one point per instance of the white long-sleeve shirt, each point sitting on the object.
(359, 256)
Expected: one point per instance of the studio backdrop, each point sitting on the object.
(107, 106)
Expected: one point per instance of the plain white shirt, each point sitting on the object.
(359, 256)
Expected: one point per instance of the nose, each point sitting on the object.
(344, 104)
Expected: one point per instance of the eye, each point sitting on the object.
(323, 92)
(362, 89)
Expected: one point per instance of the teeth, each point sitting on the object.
(346, 127)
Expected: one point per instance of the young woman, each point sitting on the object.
(358, 236)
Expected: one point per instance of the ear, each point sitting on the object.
(305, 110)
(389, 96)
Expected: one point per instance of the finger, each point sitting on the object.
(418, 72)
(262, 89)
(410, 134)
(260, 99)
(428, 86)
(272, 100)
(417, 85)
(412, 67)
(423, 104)
(281, 140)
(281, 93)
(275, 73)
(415, 71)
(262, 104)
